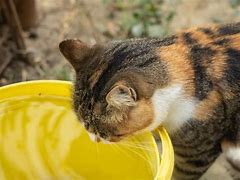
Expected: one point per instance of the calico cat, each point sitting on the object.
(188, 82)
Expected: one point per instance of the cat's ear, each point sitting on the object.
(76, 52)
(121, 96)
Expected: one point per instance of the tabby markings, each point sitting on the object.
(200, 56)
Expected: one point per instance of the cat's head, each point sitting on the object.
(112, 92)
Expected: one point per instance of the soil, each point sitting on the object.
(90, 22)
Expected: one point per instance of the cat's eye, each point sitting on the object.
(119, 135)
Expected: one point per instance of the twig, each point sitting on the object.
(10, 12)
(6, 61)
(4, 65)
(15, 25)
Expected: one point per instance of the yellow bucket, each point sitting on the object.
(40, 138)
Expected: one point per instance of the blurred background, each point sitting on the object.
(30, 30)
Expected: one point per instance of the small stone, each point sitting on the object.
(155, 31)
(137, 30)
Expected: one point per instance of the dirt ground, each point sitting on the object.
(89, 21)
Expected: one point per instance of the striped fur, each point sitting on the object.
(203, 62)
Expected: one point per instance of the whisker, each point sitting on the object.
(141, 156)
(139, 147)
(142, 144)
(121, 150)
(137, 143)
(96, 145)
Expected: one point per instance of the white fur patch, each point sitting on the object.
(233, 153)
(93, 137)
(171, 108)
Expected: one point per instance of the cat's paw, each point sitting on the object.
(232, 155)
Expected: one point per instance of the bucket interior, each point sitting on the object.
(40, 138)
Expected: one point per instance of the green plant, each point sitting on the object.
(63, 73)
(235, 3)
(140, 18)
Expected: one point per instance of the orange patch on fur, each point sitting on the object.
(179, 69)
(218, 65)
(205, 108)
(201, 37)
(140, 116)
(235, 42)
(94, 78)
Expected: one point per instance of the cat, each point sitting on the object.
(188, 82)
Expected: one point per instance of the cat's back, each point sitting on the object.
(224, 65)
(211, 55)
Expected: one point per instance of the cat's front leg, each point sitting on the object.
(196, 146)
(231, 153)
(190, 168)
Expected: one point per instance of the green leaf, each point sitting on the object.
(234, 3)
(170, 16)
